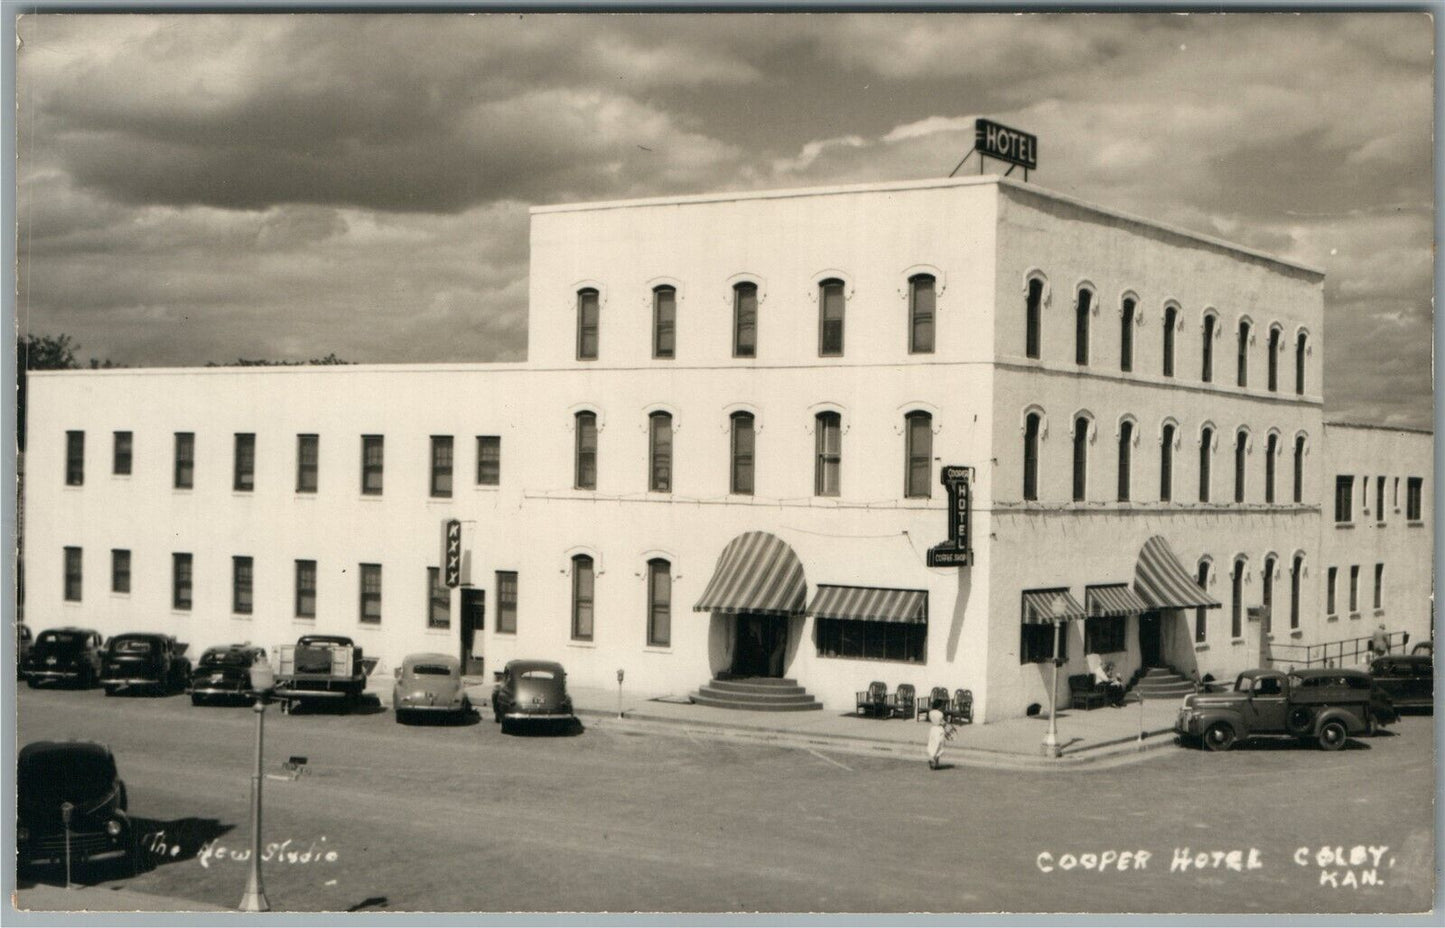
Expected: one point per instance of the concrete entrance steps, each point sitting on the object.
(1163, 683)
(757, 694)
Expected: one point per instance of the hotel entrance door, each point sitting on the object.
(474, 619)
(760, 645)
(1149, 640)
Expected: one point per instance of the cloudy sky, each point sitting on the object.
(199, 188)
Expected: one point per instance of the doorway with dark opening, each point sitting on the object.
(1150, 640)
(474, 619)
(760, 645)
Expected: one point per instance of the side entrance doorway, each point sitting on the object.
(474, 619)
(760, 645)
(1150, 650)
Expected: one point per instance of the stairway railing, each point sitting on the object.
(1346, 652)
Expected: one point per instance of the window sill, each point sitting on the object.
(184, 613)
(1236, 641)
(503, 634)
(658, 649)
(439, 499)
(307, 619)
(120, 594)
(1417, 523)
(1297, 633)
(487, 487)
(184, 490)
(1344, 525)
(1354, 616)
(240, 617)
(1380, 524)
(582, 644)
(1379, 611)
(1201, 646)
(120, 476)
(439, 632)
(1332, 618)
(242, 494)
(370, 497)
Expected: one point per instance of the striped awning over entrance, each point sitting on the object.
(1112, 599)
(756, 573)
(1045, 607)
(870, 604)
(1163, 583)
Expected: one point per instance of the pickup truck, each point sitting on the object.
(320, 668)
(1324, 705)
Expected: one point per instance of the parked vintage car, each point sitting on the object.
(23, 641)
(429, 684)
(144, 661)
(1325, 705)
(223, 674)
(531, 691)
(68, 792)
(1408, 679)
(64, 655)
(320, 669)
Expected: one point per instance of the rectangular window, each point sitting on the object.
(920, 456)
(587, 325)
(1032, 318)
(439, 600)
(1126, 448)
(743, 440)
(489, 460)
(1171, 316)
(1104, 635)
(241, 588)
(370, 594)
(74, 459)
(181, 581)
(1126, 337)
(830, 318)
(245, 468)
(1379, 585)
(1354, 589)
(660, 453)
(659, 603)
(664, 323)
(1236, 605)
(1166, 465)
(1036, 643)
(507, 602)
(829, 454)
(1081, 326)
(1207, 351)
(120, 570)
(891, 641)
(1344, 498)
(745, 321)
(922, 301)
(305, 589)
(586, 465)
(72, 575)
(1380, 499)
(373, 456)
(1330, 591)
(441, 466)
(308, 460)
(1413, 488)
(582, 598)
(121, 459)
(185, 477)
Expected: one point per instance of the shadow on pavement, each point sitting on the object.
(442, 719)
(157, 843)
(571, 728)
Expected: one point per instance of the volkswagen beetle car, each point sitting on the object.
(429, 684)
(531, 691)
(63, 655)
(69, 794)
(223, 674)
(1408, 679)
(1325, 705)
(143, 660)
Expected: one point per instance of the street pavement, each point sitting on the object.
(615, 816)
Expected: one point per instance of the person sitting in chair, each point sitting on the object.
(1107, 679)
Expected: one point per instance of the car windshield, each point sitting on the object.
(538, 675)
(64, 776)
(225, 659)
(431, 670)
(61, 639)
(132, 646)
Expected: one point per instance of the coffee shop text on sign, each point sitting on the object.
(1005, 144)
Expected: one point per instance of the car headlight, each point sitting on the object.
(114, 828)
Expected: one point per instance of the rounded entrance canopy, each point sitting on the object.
(757, 573)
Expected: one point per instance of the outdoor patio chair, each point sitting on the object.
(874, 700)
(1085, 693)
(937, 699)
(961, 709)
(903, 701)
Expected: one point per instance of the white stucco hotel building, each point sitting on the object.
(723, 454)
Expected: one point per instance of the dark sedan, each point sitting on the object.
(70, 806)
(223, 674)
(1408, 679)
(531, 691)
(144, 661)
(63, 655)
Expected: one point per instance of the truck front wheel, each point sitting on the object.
(1219, 736)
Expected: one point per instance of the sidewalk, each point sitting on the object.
(44, 898)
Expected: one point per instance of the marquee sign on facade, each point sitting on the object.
(958, 550)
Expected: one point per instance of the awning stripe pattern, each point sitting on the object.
(1113, 599)
(870, 604)
(756, 572)
(1163, 583)
(1045, 607)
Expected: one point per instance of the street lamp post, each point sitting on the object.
(1051, 740)
(263, 681)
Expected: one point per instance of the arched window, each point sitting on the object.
(1271, 448)
(1266, 592)
(1166, 464)
(1206, 440)
(1242, 379)
(659, 603)
(1201, 615)
(743, 440)
(745, 320)
(1081, 458)
(1236, 606)
(1274, 335)
(918, 456)
(1081, 325)
(587, 324)
(1126, 335)
(1241, 443)
(1033, 322)
(1031, 456)
(664, 322)
(1206, 373)
(830, 318)
(1171, 320)
(1299, 363)
(582, 598)
(829, 454)
(659, 476)
(921, 304)
(586, 459)
(1299, 468)
(1126, 442)
(1295, 570)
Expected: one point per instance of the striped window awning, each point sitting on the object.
(1045, 607)
(870, 604)
(1163, 583)
(1112, 599)
(758, 573)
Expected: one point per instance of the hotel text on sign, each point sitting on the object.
(1005, 144)
(958, 550)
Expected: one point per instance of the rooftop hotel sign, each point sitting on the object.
(1005, 144)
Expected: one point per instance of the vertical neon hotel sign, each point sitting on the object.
(957, 551)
